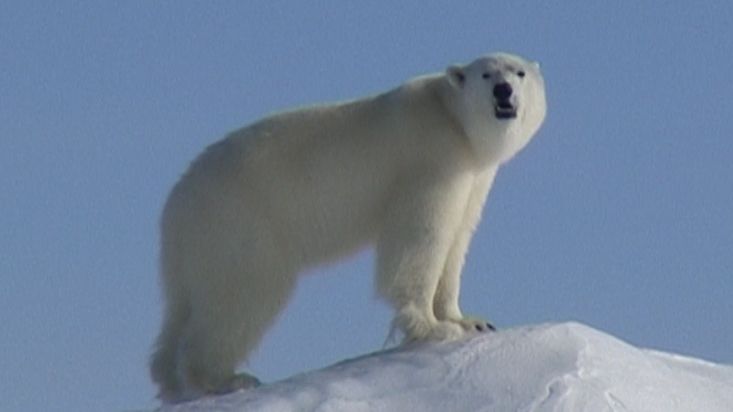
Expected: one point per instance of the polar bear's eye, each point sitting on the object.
(521, 73)
(486, 75)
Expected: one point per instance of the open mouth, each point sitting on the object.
(503, 109)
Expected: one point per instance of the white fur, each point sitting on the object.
(407, 170)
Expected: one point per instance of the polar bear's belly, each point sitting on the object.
(324, 217)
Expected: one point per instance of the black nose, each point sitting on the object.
(502, 91)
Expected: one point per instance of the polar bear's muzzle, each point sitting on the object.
(503, 106)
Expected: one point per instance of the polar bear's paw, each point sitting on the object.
(243, 381)
(444, 330)
(419, 326)
(235, 383)
(433, 331)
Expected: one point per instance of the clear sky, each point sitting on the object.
(619, 214)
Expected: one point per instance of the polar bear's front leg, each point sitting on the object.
(408, 272)
(412, 249)
(445, 304)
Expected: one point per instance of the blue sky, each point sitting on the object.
(618, 214)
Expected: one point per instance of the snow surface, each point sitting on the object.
(553, 367)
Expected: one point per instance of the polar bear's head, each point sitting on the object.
(499, 100)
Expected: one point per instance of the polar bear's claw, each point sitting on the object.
(473, 325)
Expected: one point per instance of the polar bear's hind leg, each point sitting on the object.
(247, 285)
(164, 360)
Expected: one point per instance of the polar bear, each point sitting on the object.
(407, 171)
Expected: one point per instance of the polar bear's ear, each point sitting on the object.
(456, 76)
(536, 65)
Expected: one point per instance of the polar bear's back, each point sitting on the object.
(319, 176)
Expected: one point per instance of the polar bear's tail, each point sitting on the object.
(164, 360)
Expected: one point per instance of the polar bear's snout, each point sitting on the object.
(504, 108)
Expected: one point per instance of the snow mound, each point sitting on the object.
(553, 367)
